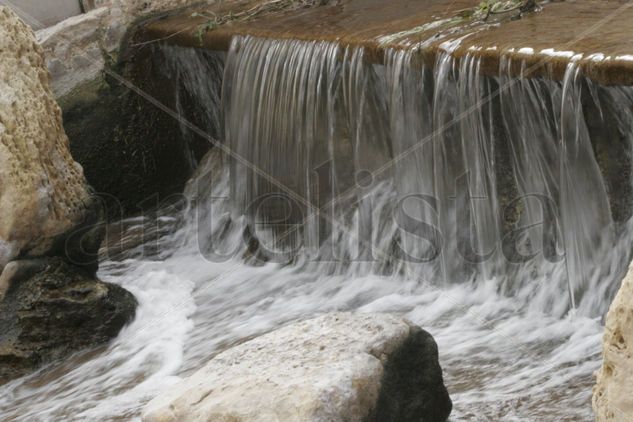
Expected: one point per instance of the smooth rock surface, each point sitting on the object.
(80, 48)
(75, 49)
(43, 193)
(613, 393)
(337, 367)
(51, 310)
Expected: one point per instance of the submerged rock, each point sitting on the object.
(338, 367)
(50, 309)
(613, 393)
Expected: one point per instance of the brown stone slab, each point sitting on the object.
(597, 34)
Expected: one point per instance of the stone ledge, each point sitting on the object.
(589, 32)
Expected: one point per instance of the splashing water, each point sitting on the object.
(377, 187)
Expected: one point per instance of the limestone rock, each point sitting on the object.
(613, 393)
(51, 310)
(79, 49)
(43, 193)
(74, 49)
(51, 305)
(338, 367)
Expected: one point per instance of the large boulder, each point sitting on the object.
(80, 48)
(50, 310)
(51, 303)
(338, 367)
(43, 193)
(613, 393)
(76, 49)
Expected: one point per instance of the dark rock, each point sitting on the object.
(116, 139)
(51, 309)
(132, 146)
(19, 270)
(413, 387)
(80, 245)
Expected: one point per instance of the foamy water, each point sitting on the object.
(503, 358)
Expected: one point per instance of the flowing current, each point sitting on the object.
(478, 207)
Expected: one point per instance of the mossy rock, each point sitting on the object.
(52, 309)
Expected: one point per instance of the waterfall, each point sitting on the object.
(481, 207)
(432, 171)
(197, 97)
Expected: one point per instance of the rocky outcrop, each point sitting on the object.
(134, 154)
(42, 190)
(78, 49)
(51, 310)
(613, 393)
(338, 367)
(51, 303)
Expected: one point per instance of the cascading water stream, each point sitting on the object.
(433, 135)
(472, 205)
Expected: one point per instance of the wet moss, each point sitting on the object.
(54, 309)
(132, 152)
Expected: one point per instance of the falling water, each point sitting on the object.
(476, 206)
(320, 124)
(197, 96)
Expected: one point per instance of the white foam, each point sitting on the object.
(143, 359)
(391, 38)
(597, 57)
(517, 356)
(451, 45)
(554, 53)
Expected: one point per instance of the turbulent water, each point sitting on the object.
(474, 206)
